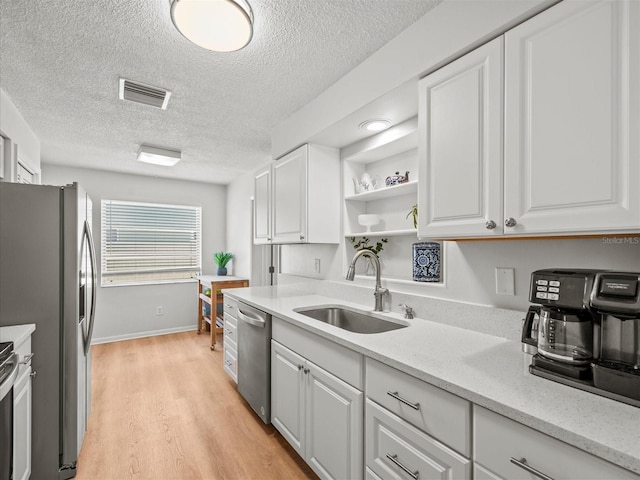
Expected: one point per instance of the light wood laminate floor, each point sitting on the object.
(164, 409)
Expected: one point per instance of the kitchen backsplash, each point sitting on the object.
(469, 267)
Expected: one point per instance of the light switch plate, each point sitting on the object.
(505, 281)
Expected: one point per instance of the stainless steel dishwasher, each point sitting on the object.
(254, 359)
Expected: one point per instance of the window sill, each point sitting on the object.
(150, 282)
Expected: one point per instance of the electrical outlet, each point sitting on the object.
(316, 265)
(159, 310)
(505, 281)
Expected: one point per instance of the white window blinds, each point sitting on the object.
(149, 243)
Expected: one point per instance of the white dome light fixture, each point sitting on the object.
(218, 25)
(375, 125)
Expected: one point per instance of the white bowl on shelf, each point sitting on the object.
(368, 220)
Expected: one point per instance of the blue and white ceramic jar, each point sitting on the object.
(426, 262)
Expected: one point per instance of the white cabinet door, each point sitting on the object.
(334, 442)
(22, 426)
(320, 415)
(262, 207)
(572, 128)
(460, 146)
(288, 395)
(290, 197)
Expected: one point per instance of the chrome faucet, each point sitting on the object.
(379, 291)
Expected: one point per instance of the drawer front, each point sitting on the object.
(440, 414)
(481, 473)
(231, 363)
(397, 450)
(231, 332)
(230, 306)
(369, 475)
(497, 439)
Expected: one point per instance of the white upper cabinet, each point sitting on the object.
(566, 107)
(306, 196)
(460, 146)
(290, 197)
(572, 130)
(262, 207)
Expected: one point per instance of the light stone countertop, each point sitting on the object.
(16, 333)
(487, 370)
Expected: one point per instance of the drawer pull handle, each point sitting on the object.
(522, 463)
(394, 458)
(27, 359)
(415, 406)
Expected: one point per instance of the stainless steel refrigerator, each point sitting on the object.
(48, 277)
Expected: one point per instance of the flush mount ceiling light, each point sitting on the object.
(158, 156)
(375, 125)
(218, 25)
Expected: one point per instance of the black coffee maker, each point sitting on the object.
(586, 330)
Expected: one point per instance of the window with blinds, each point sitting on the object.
(149, 243)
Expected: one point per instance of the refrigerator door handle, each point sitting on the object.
(94, 279)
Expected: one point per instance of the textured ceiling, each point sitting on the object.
(60, 61)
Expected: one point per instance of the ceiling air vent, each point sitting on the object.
(145, 94)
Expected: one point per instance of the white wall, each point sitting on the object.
(130, 311)
(239, 233)
(22, 140)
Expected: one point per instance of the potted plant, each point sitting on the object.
(363, 244)
(414, 214)
(221, 259)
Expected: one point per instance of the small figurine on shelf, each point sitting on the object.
(397, 179)
(221, 259)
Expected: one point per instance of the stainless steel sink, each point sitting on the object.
(349, 319)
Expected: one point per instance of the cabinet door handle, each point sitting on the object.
(300, 367)
(490, 225)
(522, 463)
(510, 222)
(306, 370)
(415, 406)
(394, 458)
(301, 237)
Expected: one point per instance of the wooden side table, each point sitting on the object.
(215, 283)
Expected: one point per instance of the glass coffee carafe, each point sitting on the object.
(565, 336)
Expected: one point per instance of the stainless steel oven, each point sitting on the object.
(8, 374)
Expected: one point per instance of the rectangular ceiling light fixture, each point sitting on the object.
(158, 156)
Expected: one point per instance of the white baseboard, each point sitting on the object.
(150, 333)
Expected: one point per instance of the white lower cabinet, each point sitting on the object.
(22, 417)
(230, 344)
(22, 426)
(413, 429)
(319, 414)
(505, 450)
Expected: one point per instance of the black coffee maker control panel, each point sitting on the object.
(562, 288)
(617, 293)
